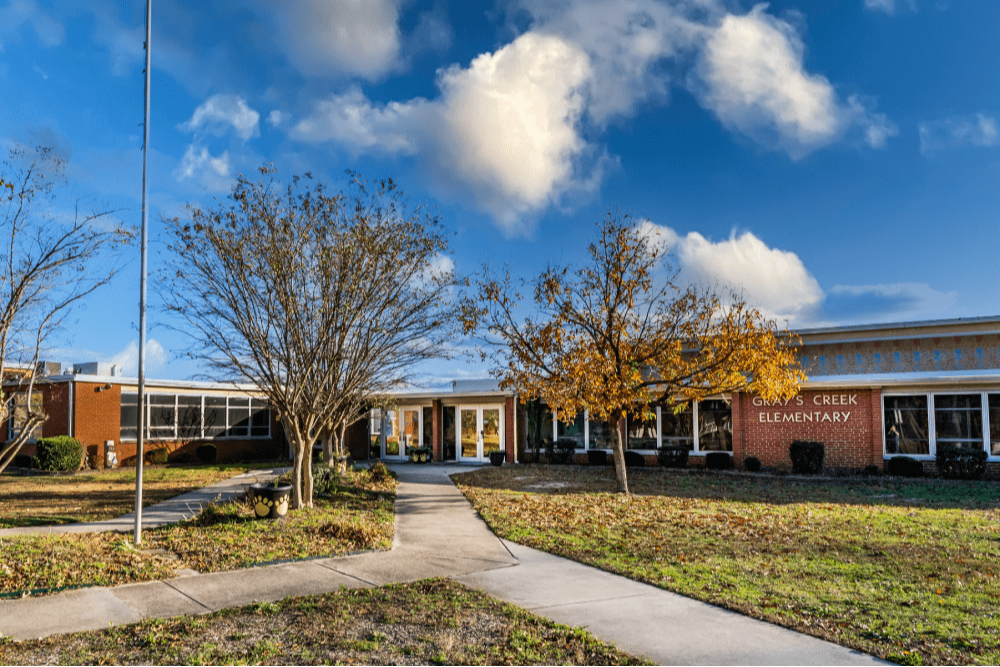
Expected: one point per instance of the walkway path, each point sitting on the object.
(439, 534)
(169, 511)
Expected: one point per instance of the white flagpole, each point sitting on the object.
(142, 294)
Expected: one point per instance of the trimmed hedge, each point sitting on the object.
(560, 451)
(718, 461)
(597, 457)
(957, 462)
(59, 453)
(904, 466)
(673, 457)
(634, 459)
(206, 453)
(807, 457)
(157, 456)
(752, 464)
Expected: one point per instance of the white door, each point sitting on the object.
(479, 432)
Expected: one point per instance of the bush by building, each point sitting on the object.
(560, 451)
(718, 461)
(634, 459)
(807, 457)
(597, 457)
(751, 464)
(59, 453)
(206, 453)
(672, 457)
(904, 466)
(956, 462)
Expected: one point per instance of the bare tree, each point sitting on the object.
(323, 301)
(48, 262)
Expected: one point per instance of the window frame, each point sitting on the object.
(224, 435)
(932, 419)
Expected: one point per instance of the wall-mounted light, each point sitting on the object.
(104, 388)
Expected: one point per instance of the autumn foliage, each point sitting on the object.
(620, 334)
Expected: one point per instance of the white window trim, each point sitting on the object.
(931, 421)
(174, 437)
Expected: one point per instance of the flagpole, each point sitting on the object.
(142, 293)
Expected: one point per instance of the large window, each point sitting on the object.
(916, 424)
(19, 414)
(660, 426)
(187, 417)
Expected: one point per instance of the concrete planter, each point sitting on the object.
(269, 501)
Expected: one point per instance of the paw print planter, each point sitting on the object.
(269, 501)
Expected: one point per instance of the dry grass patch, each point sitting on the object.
(39, 500)
(355, 514)
(906, 570)
(435, 621)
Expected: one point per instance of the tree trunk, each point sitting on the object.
(617, 419)
(341, 458)
(328, 446)
(308, 478)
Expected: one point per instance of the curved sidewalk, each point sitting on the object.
(439, 534)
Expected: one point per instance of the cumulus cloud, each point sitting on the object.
(221, 113)
(751, 75)
(957, 131)
(276, 117)
(888, 302)
(353, 37)
(213, 173)
(49, 31)
(504, 130)
(774, 280)
(127, 359)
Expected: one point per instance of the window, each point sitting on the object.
(448, 432)
(189, 417)
(958, 418)
(574, 429)
(428, 436)
(677, 430)
(19, 414)
(641, 430)
(905, 422)
(994, 417)
(715, 426)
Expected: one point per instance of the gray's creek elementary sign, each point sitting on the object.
(818, 408)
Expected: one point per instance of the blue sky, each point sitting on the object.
(836, 160)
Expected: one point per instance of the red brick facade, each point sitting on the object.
(844, 420)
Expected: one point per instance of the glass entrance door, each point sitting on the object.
(480, 431)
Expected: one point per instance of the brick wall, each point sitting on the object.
(97, 418)
(842, 419)
(510, 443)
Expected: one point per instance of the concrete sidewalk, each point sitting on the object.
(439, 534)
(169, 511)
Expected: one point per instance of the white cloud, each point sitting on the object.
(503, 131)
(213, 173)
(50, 32)
(751, 75)
(354, 37)
(775, 281)
(956, 131)
(276, 117)
(127, 359)
(894, 302)
(220, 113)
(889, 6)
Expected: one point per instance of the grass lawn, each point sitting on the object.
(355, 515)
(40, 500)
(905, 570)
(435, 621)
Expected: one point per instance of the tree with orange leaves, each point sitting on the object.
(615, 337)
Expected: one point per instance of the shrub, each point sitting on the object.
(597, 457)
(23, 461)
(59, 453)
(752, 464)
(872, 470)
(560, 451)
(672, 457)
(957, 462)
(634, 459)
(156, 456)
(807, 457)
(206, 453)
(904, 466)
(718, 461)
(379, 473)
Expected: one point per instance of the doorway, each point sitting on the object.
(479, 432)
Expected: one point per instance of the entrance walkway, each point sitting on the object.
(439, 534)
